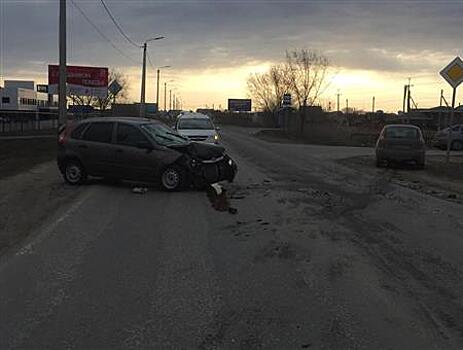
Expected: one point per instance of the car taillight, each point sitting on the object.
(62, 136)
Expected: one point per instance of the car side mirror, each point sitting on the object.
(145, 145)
(217, 128)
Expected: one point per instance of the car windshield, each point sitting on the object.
(401, 132)
(164, 135)
(195, 123)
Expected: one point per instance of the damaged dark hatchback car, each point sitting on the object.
(139, 149)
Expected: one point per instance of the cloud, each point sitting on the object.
(404, 38)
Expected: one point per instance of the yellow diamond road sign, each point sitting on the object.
(453, 73)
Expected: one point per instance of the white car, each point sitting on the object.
(197, 127)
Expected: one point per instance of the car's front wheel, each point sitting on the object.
(173, 178)
(74, 173)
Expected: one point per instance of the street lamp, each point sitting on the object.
(165, 94)
(157, 84)
(143, 74)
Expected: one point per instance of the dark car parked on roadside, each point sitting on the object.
(139, 149)
(441, 138)
(401, 143)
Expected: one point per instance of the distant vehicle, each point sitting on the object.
(197, 127)
(141, 150)
(401, 143)
(441, 138)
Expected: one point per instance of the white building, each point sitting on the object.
(20, 95)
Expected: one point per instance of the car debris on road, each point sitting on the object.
(139, 190)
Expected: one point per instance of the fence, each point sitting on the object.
(23, 122)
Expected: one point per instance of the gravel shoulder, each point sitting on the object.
(31, 188)
(18, 155)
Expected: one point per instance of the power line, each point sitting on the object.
(119, 28)
(101, 33)
(149, 60)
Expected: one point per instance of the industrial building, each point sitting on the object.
(21, 95)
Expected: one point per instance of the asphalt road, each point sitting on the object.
(319, 256)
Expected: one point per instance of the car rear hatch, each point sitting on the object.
(403, 139)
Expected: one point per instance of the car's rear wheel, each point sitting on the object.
(173, 178)
(74, 173)
(457, 145)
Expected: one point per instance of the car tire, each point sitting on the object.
(173, 178)
(74, 173)
(457, 145)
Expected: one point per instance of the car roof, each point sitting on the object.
(401, 126)
(130, 120)
(192, 115)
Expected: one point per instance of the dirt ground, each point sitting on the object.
(439, 178)
(279, 136)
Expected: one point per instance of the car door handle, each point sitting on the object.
(83, 146)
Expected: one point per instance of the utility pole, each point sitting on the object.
(143, 78)
(408, 96)
(157, 84)
(373, 105)
(338, 95)
(405, 98)
(440, 110)
(170, 99)
(347, 106)
(173, 101)
(452, 112)
(165, 96)
(62, 117)
(157, 88)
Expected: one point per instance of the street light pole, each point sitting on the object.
(170, 99)
(143, 76)
(143, 80)
(157, 87)
(157, 84)
(62, 117)
(165, 97)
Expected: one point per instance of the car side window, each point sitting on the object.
(77, 132)
(129, 135)
(99, 132)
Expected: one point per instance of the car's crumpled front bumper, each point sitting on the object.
(207, 163)
(211, 171)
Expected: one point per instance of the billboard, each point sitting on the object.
(239, 104)
(83, 81)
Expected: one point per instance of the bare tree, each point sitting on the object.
(267, 88)
(103, 103)
(305, 74)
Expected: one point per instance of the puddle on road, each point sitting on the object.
(219, 200)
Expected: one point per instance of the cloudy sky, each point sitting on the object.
(213, 46)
